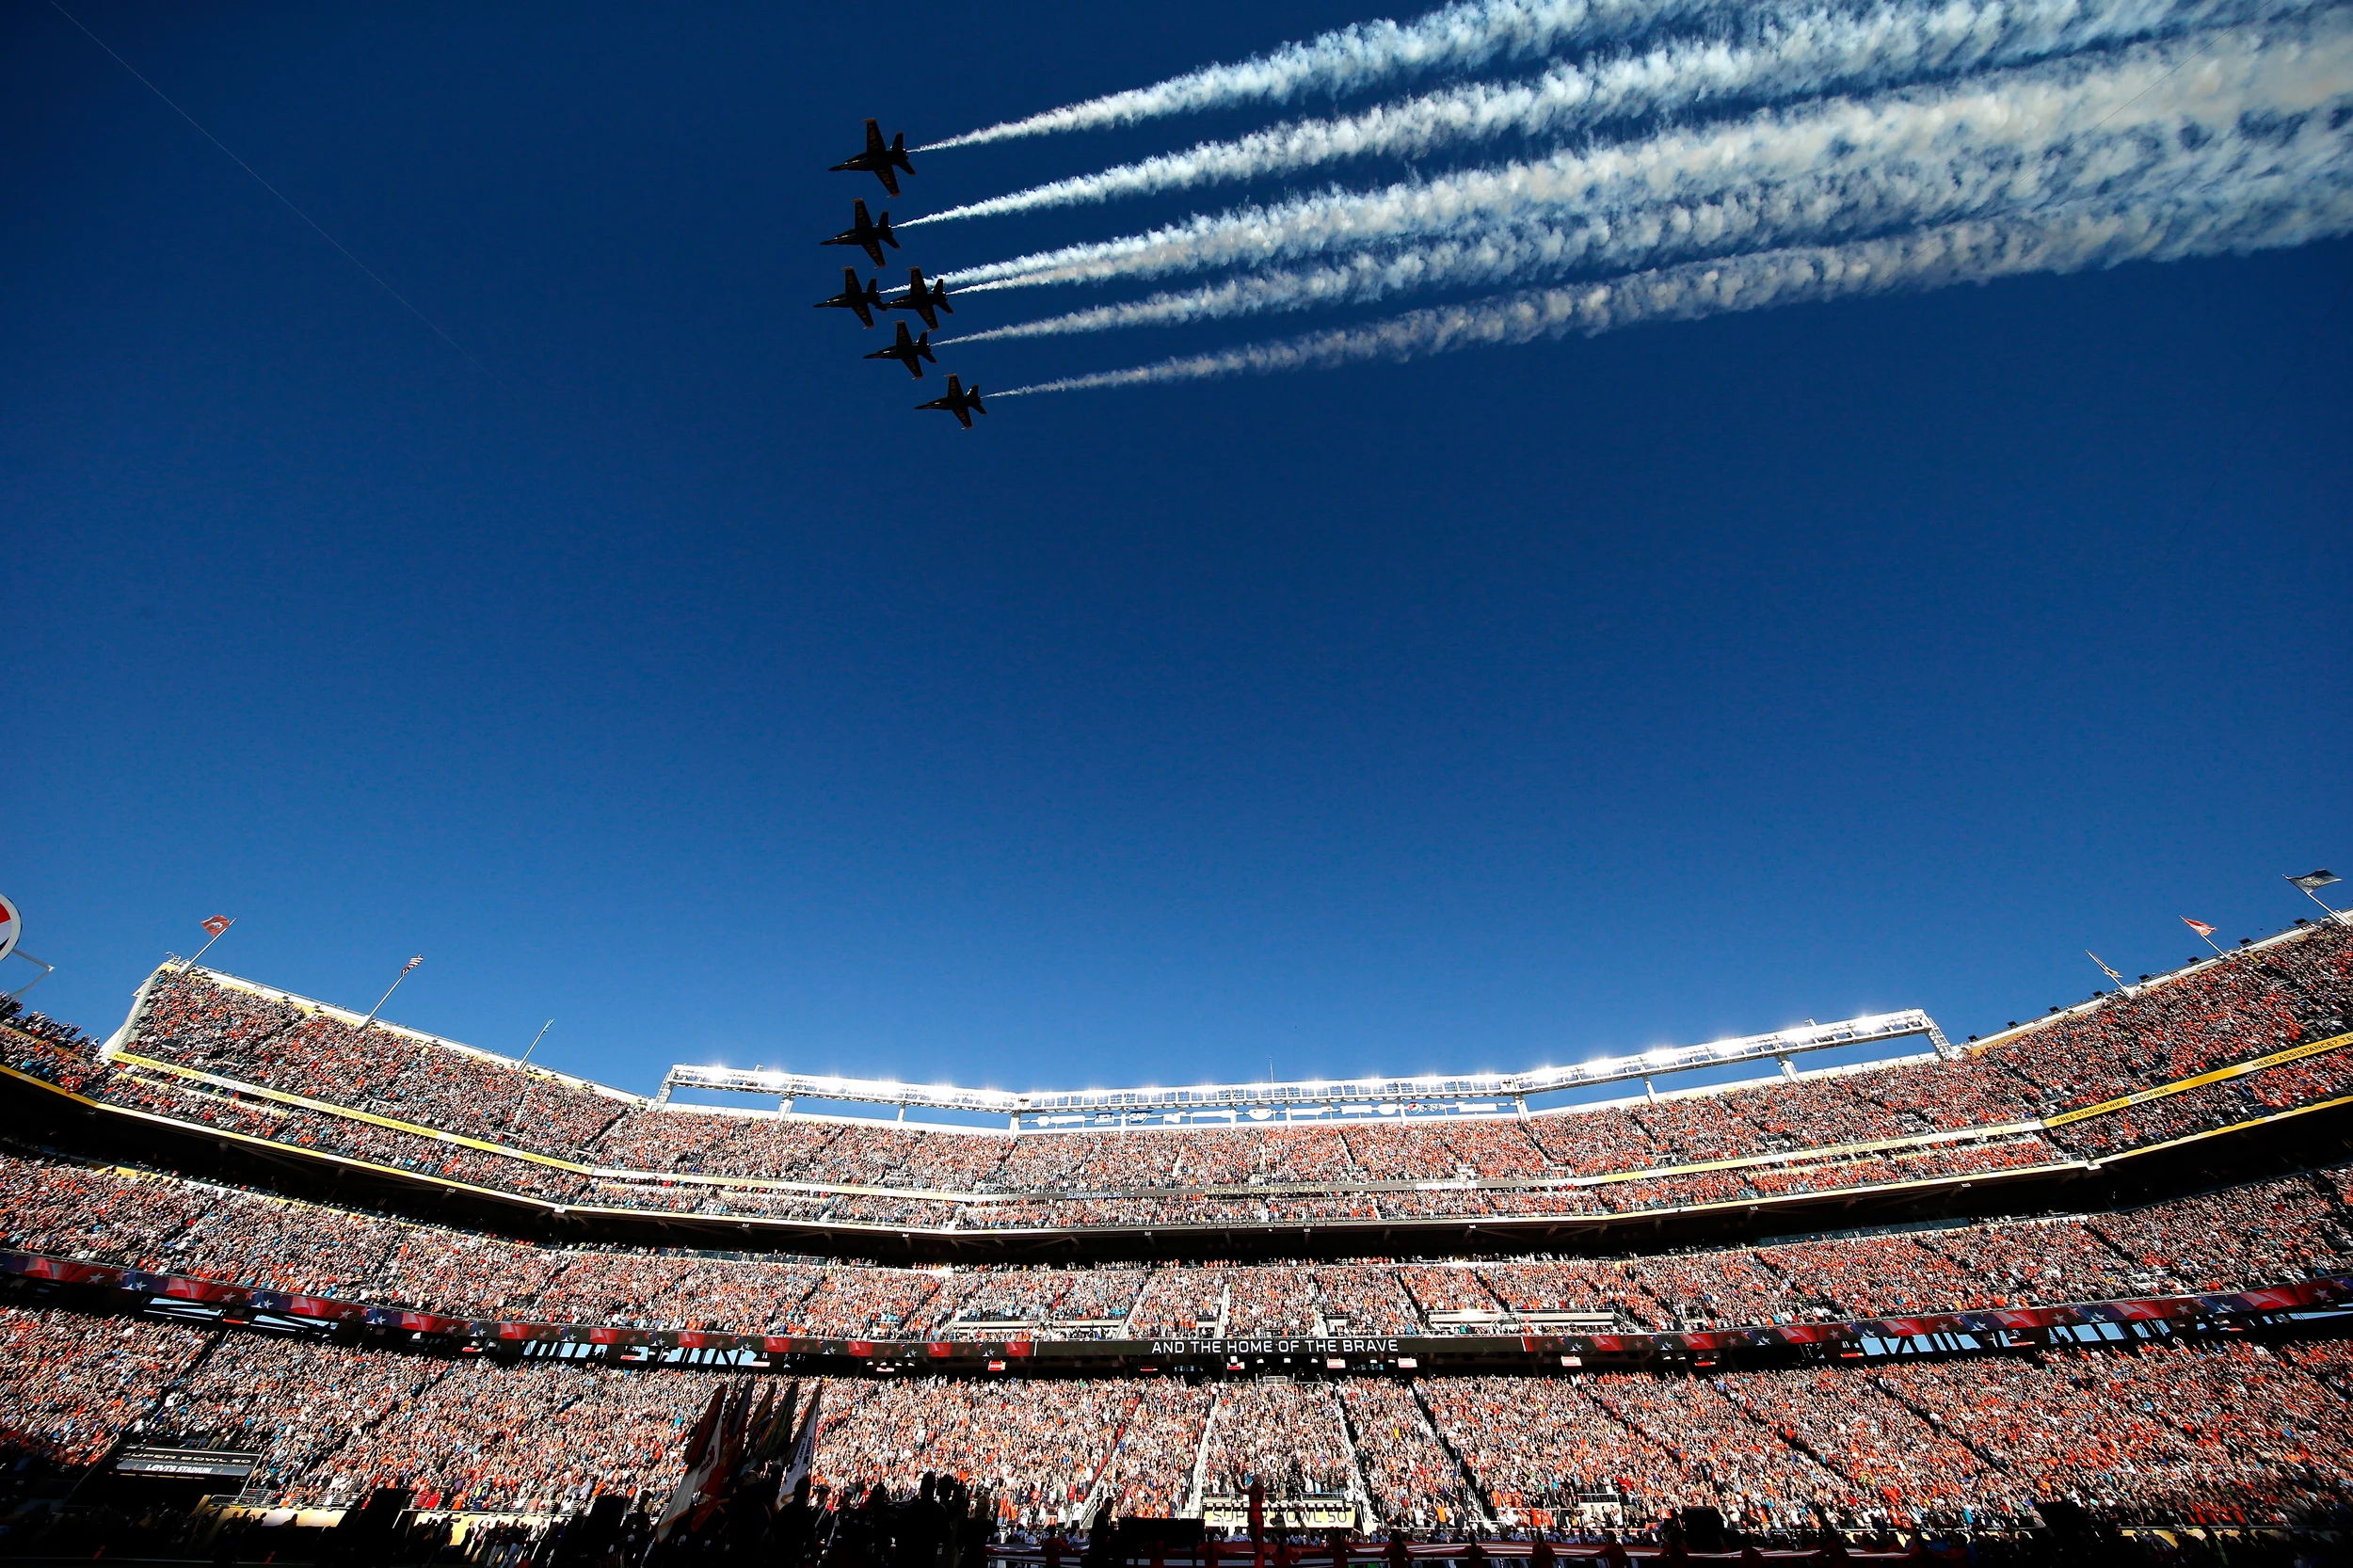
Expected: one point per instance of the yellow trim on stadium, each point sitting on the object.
(2279, 1057)
(2234, 1127)
(1788, 1159)
(303, 1149)
(330, 1109)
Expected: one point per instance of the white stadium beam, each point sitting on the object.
(1447, 1093)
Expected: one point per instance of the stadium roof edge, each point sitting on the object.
(1401, 1096)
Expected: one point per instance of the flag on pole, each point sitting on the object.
(719, 1478)
(2104, 967)
(2198, 926)
(804, 1448)
(2313, 882)
(701, 1447)
(216, 925)
(777, 1440)
(412, 963)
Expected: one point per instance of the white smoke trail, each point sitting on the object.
(1980, 251)
(1799, 56)
(2245, 165)
(1460, 37)
(2194, 89)
(1467, 36)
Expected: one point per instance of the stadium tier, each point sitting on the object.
(147, 1233)
(2236, 1043)
(2241, 1431)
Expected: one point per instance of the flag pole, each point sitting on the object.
(389, 990)
(2337, 915)
(2105, 970)
(208, 946)
(524, 1093)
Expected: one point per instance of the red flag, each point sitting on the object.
(2198, 926)
(701, 1450)
(216, 925)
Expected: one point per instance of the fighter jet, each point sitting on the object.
(910, 352)
(877, 159)
(867, 234)
(923, 301)
(864, 301)
(962, 404)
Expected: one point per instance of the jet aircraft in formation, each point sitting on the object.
(910, 352)
(865, 301)
(925, 301)
(877, 159)
(928, 299)
(866, 233)
(962, 404)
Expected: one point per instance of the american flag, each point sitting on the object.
(2198, 926)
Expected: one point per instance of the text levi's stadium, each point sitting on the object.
(288, 1281)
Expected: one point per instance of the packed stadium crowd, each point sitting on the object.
(2255, 1234)
(200, 1046)
(2238, 1433)
(1412, 1477)
(2208, 1429)
(1284, 1438)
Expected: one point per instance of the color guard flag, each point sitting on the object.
(216, 925)
(2198, 926)
(2313, 882)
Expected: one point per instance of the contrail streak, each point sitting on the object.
(1459, 36)
(1467, 36)
(2193, 88)
(2243, 165)
(1978, 251)
(1799, 56)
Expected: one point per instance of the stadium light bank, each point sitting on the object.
(1302, 1100)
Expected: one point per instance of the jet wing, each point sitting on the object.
(875, 146)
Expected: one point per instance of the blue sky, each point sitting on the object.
(677, 682)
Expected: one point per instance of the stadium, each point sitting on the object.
(274, 1266)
